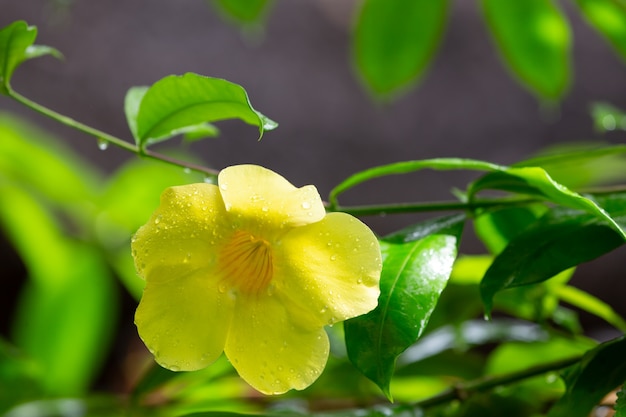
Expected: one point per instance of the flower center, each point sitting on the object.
(246, 262)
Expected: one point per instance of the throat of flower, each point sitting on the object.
(245, 263)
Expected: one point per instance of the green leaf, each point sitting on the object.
(395, 40)
(607, 117)
(600, 371)
(443, 164)
(19, 377)
(620, 405)
(534, 39)
(587, 302)
(609, 18)
(65, 316)
(535, 181)
(561, 239)
(174, 104)
(132, 101)
(243, 11)
(16, 46)
(414, 275)
(201, 131)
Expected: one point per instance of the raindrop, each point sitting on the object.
(222, 288)
(264, 209)
(306, 205)
(103, 144)
(223, 187)
(359, 281)
(157, 220)
(333, 257)
(608, 122)
(175, 368)
(187, 170)
(210, 179)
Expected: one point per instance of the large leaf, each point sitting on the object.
(394, 41)
(16, 46)
(65, 316)
(414, 275)
(609, 18)
(176, 104)
(534, 38)
(563, 238)
(599, 372)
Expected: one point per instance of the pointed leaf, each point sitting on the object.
(413, 277)
(175, 103)
(534, 39)
(243, 11)
(395, 40)
(563, 238)
(599, 372)
(16, 46)
(609, 18)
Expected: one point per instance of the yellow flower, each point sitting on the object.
(254, 268)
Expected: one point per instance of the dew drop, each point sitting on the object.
(333, 257)
(103, 144)
(175, 368)
(210, 179)
(223, 187)
(157, 220)
(264, 209)
(222, 288)
(306, 205)
(187, 170)
(359, 281)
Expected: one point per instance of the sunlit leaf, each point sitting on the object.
(609, 18)
(534, 39)
(395, 40)
(16, 46)
(599, 372)
(243, 11)
(587, 302)
(405, 167)
(413, 277)
(562, 239)
(175, 104)
(132, 101)
(65, 316)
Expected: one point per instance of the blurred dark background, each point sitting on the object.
(297, 70)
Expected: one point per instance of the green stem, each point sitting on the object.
(105, 137)
(373, 210)
(462, 391)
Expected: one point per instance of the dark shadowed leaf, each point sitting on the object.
(534, 38)
(620, 406)
(178, 104)
(413, 277)
(395, 40)
(599, 372)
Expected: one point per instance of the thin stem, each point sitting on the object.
(462, 390)
(103, 136)
(373, 210)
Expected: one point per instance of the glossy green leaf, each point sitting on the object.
(243, 11)
(562, 239)
(441, 164)
(609, 18)
(201, 131)
(394, 41)
(535, 181)
(16, 46)
(578, 165)
(534, 39)
(132, 101)
(65, 316)
(620, 406)
(175, 104)
(414, 275)
(600, 371)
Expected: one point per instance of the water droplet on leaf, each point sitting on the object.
(103, 144)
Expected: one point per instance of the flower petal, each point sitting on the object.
(183, 318)
(186, 229)
(331, 268)
(270, 351)
(268, 200)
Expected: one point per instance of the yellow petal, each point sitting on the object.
(264, 200)
(331, 268)
(270, 351)
(183, 318)
(186, 230)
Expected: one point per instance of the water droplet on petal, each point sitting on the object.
(264, 209)
(175, 368)
(223, 187)
(306, 205)
(222, 288)
(333, 257)
(157, 220)
(103, 144)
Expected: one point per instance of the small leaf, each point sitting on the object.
(563, 238)
(609, 18)
(587, 302)
(175, 103)
(395, 40)
(16, 46)
(132, 101)
(534, 39)
(405, 167)
(201, 131)
(413, 277)
(607, 117)
(243, 11)
(600, 371)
